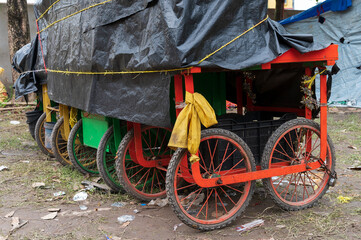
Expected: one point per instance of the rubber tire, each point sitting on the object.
(121, 150)
(54, 144)
(71, 153)
(39, 140)
(268, 150)
(170, 180)
(103, 172)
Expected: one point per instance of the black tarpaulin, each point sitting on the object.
(148, 35)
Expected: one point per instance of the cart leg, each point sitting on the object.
(46, 103)
(323, 118)
(64, 112)
(188, 79)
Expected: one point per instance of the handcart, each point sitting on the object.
(296, 164)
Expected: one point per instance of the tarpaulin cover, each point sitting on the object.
(23, 62)
(342, 28)
(329, 5)
(143, 35)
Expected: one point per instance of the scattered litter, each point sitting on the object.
(54, 210)
(10, 214)
(38, 185)
(176, 226)
(342, 199)
(15, 221)
(126, 218)
(280, 226)
(352, 147)
(136, 211)
(193, 198)
(86, 212)
(50, 216)
(2, 168)
(58, 194)
(250, 225)
(26, 161)
(159, 202)
(357, 168)
(17, 224)
(81, 196)
(83, 207)
(143, 204)
(14, 122)
(92, 185)
(118, 204)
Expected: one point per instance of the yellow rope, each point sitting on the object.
(66, 17)
(225, 45)
(312, 79)
(47, 10)
(114, 73)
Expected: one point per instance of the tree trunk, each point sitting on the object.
(18, 28)
(280, 6)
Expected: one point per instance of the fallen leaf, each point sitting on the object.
(342, 199)
(50, 216)
(54, 210)
(10, 214)
(38, 185)
(352, 147)
(124, 225)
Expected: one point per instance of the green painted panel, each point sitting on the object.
(94, 127)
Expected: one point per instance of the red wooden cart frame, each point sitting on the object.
(320, 59)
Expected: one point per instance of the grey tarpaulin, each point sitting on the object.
(342, 28)
(144, 35)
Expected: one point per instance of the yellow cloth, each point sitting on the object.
(187, 129)
(3, 94)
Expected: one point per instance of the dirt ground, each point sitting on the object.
(330, 219)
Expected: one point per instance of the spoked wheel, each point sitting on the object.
(82, 157)
(59, 143)
(106, 160)
(145, 183)
(297, 142)
(40, 135)
(221, 153)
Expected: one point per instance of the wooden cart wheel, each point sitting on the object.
(221, 153)
(40, 135)
(295, 142)
(82, 157)
(59, 143)
(106, 160)
(145, 183)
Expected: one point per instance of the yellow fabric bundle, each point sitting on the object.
(187, 129)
